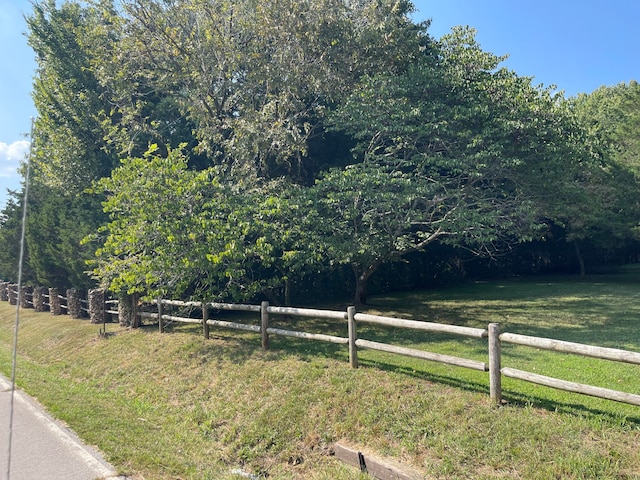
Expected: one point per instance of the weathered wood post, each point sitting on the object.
(25, 293)
(353, 352)
(54, 301)
(74, 304)
(12, 291)
(205, 317)
(97, 313)
(264, 324)
(4, 292)
(495, 376)
(160, 313)
(38, 299)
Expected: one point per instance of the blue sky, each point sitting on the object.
(576, 45)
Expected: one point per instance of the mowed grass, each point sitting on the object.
(177, 406)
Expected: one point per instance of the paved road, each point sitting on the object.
(41, 447)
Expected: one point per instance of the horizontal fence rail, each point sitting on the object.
(572, 386)
(99, 307)
(309, 336)
(308, 312)
(417, 325)
(605, 353)
(561, 346)
(411, 352)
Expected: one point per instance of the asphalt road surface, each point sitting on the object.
(41, 447)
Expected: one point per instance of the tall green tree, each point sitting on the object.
(450, 151)
(171, 230)
(70, 148)
(611, 114)
(256, 78)
(69, 142)
(181, 232)
(606, 197)
(10, 238)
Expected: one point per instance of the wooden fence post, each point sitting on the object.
(74, 305)
(353, 352)
(495, 376)
(264, 324)
(160, 313)
(97, 313)
(205, 317)
(54, 301)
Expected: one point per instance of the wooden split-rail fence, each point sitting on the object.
(99, 308)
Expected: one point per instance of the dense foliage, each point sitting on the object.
(240, 149)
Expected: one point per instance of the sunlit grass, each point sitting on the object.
(174, 405)
(601, 310)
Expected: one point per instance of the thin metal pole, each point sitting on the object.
(17, 322)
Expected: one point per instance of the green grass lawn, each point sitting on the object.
(177, 406)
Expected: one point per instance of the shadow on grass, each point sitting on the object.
(603, 310)
(426, 376)
(571, 408)
(510, 397)
(239, 347)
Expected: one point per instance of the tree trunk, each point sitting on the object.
(361, 278)
(583, 270)
(361, 291)
(287, 291)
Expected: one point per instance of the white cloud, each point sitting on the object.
(10, 157)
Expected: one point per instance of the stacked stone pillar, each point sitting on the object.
(54, 301)
(25, 297)
(12, 291)
(38, 299)
(4, 292)
(74, 303)
(96, 306)
(128, 311)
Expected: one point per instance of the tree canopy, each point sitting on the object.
(238, 147)
(447, 151)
